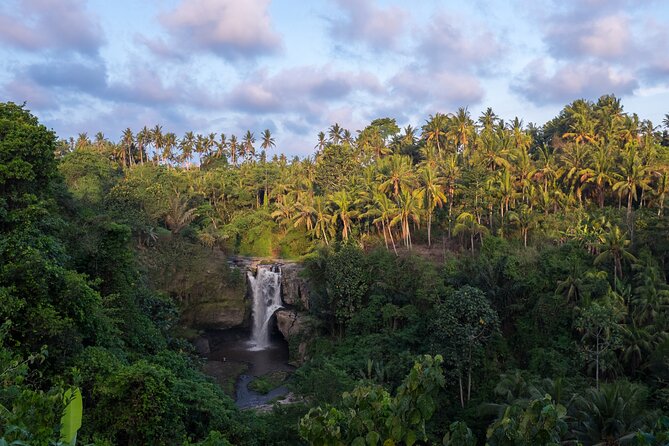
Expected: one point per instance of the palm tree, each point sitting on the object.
(222, 147)
(409, 137)
(267, 140)
(574, 160)
(451, 174)
(409, 210)
(158, 139)
(343, 211)
(525, 219)
(323, 219)
(431, 191)
(143, 139)
(234, 149)
(581, 123)
(169, 143)
(613, 247)
(467, 223)
(462, 130)
(611, 414)
(178, 215)
(320, 145)
(397, 175)
(82, 140)
(599, 172)
(632, 178)
(127, 142)
(100, 140)
(385, 211)
(335, 133)
(248, 145)
(187, 144)
(434, 130)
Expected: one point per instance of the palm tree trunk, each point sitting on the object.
(385, 237)
(392, 239)
(429, 230)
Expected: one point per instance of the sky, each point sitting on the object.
(296, 66)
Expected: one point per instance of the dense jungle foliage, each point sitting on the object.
(474, 282)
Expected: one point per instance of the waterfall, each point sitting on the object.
(266, 290)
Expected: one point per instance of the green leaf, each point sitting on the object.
(373, 438)
(71, 419)
(358, 441)
(411, 438)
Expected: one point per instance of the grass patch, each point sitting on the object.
(264, 384)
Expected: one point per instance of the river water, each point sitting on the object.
(236, 346)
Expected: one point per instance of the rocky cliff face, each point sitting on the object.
(210, 294)
(294, 288)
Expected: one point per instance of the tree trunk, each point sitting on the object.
(392, 239)
(597, 364)
(429, 230)
(469, 375)
(462, 395)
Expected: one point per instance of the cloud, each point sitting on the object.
(300, 88)
(604, 38)
(75, 75)
(231, 29)
(571, 81)
(365, 22)
(446, 42)
(36, 25)
(437, 90)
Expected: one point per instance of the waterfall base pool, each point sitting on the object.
(234, 347)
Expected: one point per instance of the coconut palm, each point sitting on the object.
(234, 149)
(431, 192)
(169, 144)
(187, 145)
(343, 211)
(385, 210)
(158, 140)
(409, 210)
(525, 219)
(323, 219)
(396, 175)
(468, 224)
(127, 143)
(248, 145)
(143, 139)
(335, 133)
(267, 140)
(434, 130)
(613, 247)
(320, 145)
(631, 179)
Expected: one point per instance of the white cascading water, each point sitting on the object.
(266, 290)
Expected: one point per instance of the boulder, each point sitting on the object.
(291, 323)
